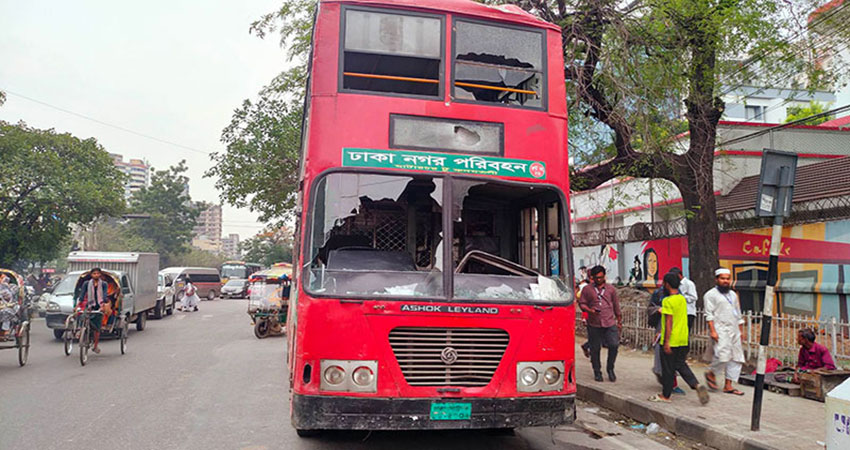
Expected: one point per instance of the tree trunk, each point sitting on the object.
(703, 241)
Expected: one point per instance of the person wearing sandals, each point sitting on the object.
(726, 326)
(674, 340)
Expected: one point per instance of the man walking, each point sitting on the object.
(688, 290)
(674, 340)
(604, 321)
(726, 326)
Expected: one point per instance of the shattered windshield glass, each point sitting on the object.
(498, 64)
(376, 235)
(382, 236)
(507, 243)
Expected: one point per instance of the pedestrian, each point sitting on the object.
(812, 356)
(8, 306)
(674, 341)
(604, 321)
(190, 297)
(726, 326)
(653, 311)
(688, 290)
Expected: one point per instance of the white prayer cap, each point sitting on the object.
(722, 271)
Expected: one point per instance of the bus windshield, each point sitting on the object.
(382, 236)
(234, 271)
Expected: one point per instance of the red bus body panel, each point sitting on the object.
(323, 328)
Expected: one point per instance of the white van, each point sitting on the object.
(206, 280)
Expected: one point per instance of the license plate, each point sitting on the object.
(451, 411)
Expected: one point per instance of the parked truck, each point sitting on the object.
(141, 270)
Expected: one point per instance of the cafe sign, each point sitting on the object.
(443, 162)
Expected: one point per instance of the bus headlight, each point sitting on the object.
(362, 376)
(540, 376)
(342, 375)
(334, 375)
(528, 376)
(552, 375)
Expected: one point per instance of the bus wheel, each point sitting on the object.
(307, 433)
(262, 328)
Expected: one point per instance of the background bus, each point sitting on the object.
(433, 240)
(237, 269)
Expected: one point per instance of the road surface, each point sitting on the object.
(203, 381)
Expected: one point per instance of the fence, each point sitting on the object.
(783, 336)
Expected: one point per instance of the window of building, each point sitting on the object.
(391, 52)
(498, 64)
(755, 112)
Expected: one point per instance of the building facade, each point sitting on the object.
(769, 105)
(230, 246)
(636, 228)
(207, 231)
(137, 173)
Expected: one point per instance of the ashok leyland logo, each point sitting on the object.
(448, 356)
(537, 170)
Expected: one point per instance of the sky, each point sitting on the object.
(173, 70)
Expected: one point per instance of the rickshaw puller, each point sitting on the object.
(96, 291)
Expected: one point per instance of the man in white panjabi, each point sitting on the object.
(726, 326)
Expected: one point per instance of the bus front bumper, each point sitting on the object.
(359, 413)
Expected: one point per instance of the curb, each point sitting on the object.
(680, 426)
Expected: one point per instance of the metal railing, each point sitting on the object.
(783, 345)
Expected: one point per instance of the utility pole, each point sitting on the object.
(776, 190)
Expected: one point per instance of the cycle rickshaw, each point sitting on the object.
(268, 298)
(78, 325)
(15, 314)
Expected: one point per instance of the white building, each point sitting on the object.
(230, 246)
(207, 231)
(137, 172)
(626, 202)
(769, 105)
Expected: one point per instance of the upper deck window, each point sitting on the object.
(390, 52)
(498, 64)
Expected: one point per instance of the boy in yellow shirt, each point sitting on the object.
(674, 342)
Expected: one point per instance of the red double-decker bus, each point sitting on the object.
(433, 257)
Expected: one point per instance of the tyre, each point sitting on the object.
(159, 310)
(125, 329)
(141, 321)
(211, 295)
(262, 328)
(307, 433)
(59, 334)
(84, 345)
(69, 342)
(170, 310)
(24, 345)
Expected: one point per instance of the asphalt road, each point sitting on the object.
(203, 381)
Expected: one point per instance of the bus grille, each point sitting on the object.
(426, 355)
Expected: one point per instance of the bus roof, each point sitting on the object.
(505, 13)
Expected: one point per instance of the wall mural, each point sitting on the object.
(814, 266)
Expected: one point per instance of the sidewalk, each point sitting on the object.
(724, 423)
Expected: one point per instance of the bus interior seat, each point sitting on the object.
(338, 241)
(370, 259)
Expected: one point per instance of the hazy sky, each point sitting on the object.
(174, 70)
